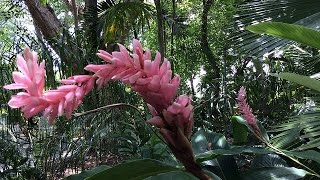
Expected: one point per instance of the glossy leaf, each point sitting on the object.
(268, 160)
(274, 173)
(233, 151)
(44, 2)
(175, 175)
(304, 12)
(288, 31)
(300, 79)
(242, 121)
(134, 170)
(225, 166)
(203, 140)
(240, 132)
(309, 154)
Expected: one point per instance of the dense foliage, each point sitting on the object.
(249, 70)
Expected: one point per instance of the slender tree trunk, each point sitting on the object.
(75, 14)
(207, 50)
(192, 86)
(51, 28)
(91, 23)
(160, 28)
(173, 31)
(46, 20)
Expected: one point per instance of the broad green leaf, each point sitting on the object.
(274, 173)
(203, 140)
(242, 121)
(240, 132)
(300, 79)
(199, 142)
(288, 31)
(309, 154)
(233, 151)
(212, 176)
(175, 175)
(268, 160)
(134, 170)
(225, 166)
(89, 173)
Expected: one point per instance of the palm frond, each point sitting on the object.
(116, 18)
(304, 13)
(300, 132)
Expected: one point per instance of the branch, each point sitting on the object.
(160, 29)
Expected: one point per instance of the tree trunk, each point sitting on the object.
(160, 28)
(208, 52)
(173, 31)
(91, 24)
(51, 28)
(45, 19)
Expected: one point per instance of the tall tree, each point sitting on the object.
(212, 60)
(161, 40)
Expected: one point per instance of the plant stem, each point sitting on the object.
(310, 171)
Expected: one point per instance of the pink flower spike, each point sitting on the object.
(246, 110)
(15, 86)
(156, 121)
(81, 78)
(22, 65)
(152, 110)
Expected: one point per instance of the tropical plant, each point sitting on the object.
(305, 13)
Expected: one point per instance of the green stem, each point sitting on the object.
(116, 106)
(310, 171)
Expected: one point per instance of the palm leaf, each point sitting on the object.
(305, 13)
(116, 18)
(289, 132)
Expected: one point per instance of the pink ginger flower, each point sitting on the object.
(178, 115)
(68, 97)
(246, 110)
(151, 80)
(30, 77)
(53, 102)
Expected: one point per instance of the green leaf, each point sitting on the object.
(288, 31)
(263, 131)
(242, 121)
(268, 160)
(300, 79)
(175, 175)
(134, 170)
(212, 175)
(225, 166)
(201, 139)
(274, 173)
(240, 132)
(89, 173)
(44, 2)
(309, 154)
(285, 138)
(233, 151)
